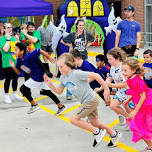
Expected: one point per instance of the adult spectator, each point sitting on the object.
(80, 39)
(10, 75)
(128, 33)
(2, 32)
(46, 45)
(32, 36)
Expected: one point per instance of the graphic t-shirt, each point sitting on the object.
(117, 76)
(6, 56)
(30, 65)
(79, 42)
(77, 83)
(148, 74)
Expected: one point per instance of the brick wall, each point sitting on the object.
(139, 11)
(55, 4)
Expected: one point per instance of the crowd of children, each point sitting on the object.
(132, 101)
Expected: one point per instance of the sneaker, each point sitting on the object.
(147, 149)
(122, 120)
(99, 137)
(60, 110)
(69, 98)
(114, 140)
(33, 109)
(7, 99)
(16, 96)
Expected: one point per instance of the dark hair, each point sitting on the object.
(30, 23)
(76, 53)
(22, 47)
(102, 57)
(148, 52)
(117, 53)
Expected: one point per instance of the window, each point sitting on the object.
(148, 23)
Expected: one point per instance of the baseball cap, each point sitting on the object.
(130, 8)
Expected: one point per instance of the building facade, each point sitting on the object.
(143, 14)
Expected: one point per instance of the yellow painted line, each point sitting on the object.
(70, 109)
(40, 98)
(114, 123)
(106, 138)
(93, 54)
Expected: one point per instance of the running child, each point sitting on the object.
(115, 58)
(77, 83)
(141, 124)
(28, 63)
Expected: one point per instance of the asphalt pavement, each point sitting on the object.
(42, 131)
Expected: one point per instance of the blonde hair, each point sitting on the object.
(68, 60)
(118, 53)
(7, 25)
(23, 26)
(134, 64)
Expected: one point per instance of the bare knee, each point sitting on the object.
(94, 122)
(74, 119)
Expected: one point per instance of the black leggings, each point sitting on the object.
(27, 93)
(10, 75)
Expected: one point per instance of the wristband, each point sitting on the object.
(137, 48)
(8, 40)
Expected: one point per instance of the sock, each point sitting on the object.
(96, 131)
(114, 134)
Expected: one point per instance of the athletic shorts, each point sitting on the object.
(47, 48)
(30, 83)
(89, 109)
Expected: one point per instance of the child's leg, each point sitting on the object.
(75, 120)
(96, 123)
(149, 143)
(27, 93)
(50, 94)
(115, 106)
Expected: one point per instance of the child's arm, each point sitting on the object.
(138, 106)
(47, 56)
(57, 90)
(14, 67)
(117, 85)
(99, 79)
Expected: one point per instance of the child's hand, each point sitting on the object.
(46, 78)
(52, 60)
(12, 63)
(132, 114)
(98, 89)
(127, 101)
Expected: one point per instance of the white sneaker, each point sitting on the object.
(122, 120)
(33, 109)
(114, 140)
(7, 99)
(16, 96)
(99, 137)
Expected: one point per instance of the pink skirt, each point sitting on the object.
(141, 125)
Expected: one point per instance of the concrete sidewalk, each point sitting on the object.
(42, 131)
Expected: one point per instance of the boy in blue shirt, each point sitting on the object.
(28, 63)
(84, 65)
(148, 67)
